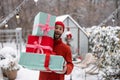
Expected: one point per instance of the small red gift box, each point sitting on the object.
(39, 44)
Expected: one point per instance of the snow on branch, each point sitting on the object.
(104, 42)
(109, 17)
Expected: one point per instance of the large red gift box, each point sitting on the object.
(39, 44)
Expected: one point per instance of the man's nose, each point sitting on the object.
(57, 30)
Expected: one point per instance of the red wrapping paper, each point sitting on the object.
(39, 44)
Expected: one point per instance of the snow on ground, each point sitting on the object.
(26, 74)
(77, 74)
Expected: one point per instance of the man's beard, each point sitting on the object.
(57, 36)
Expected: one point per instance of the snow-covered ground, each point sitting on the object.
(77, 74)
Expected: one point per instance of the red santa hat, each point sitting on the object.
(60, 23)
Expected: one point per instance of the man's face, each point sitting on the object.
(58, 31)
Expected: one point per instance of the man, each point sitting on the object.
(62, 49)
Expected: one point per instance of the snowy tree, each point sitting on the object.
(104, 43)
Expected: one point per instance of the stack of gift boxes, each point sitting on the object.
(39, 53)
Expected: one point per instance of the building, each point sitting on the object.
(80, 37)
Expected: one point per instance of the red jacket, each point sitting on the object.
(64, 50)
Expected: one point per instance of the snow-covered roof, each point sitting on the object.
(63, 17)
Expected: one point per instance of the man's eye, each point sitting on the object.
(56, 28)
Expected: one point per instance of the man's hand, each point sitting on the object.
(64, 69)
